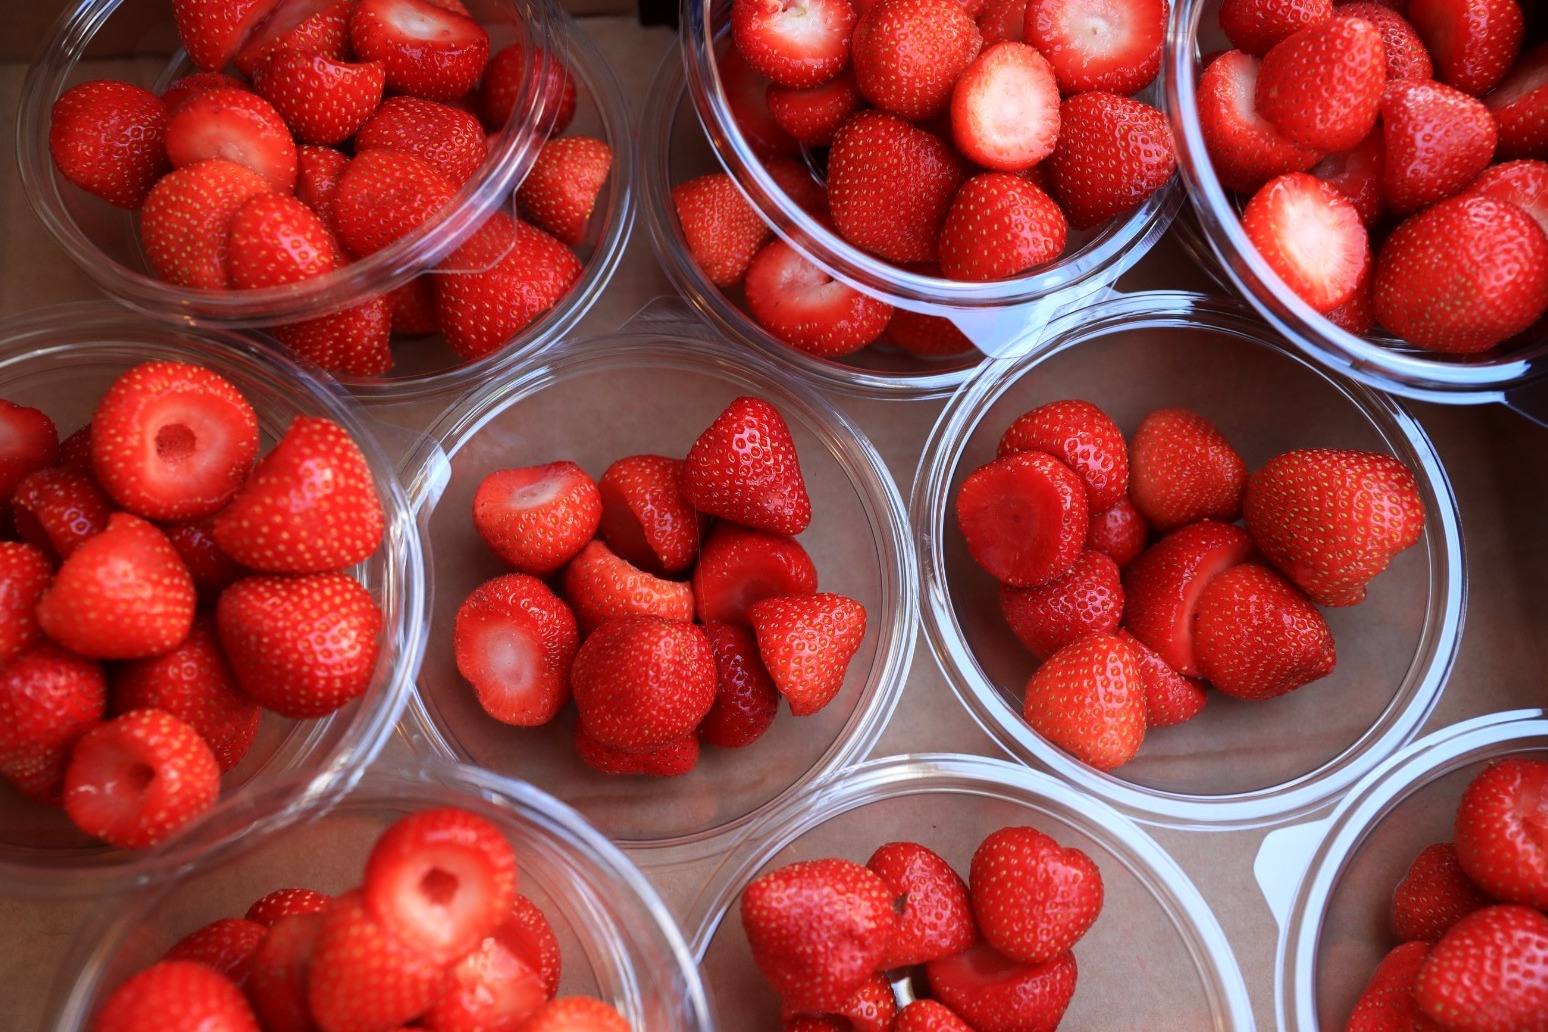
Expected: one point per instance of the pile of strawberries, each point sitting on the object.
(1394, 157)
(989, 954)
(686, 609)
(354, 123)
(1122, 568)
(435, 933)
(962, 141)
(1471, 916)
(161, 585)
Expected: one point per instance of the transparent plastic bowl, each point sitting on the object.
(654, 387)
(1330, 882)
(1155, 928)
(1238, 764)
(61, 360)
(616, 938)
(1002, 317)
(1513, 374)
(88, 43)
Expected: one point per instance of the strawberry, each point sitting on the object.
(1387, 1002)
(1357, 173)
(175, 996)
(516, 272)
(1489, 972)
(236, 125)
(747, 100)
(561, 191)
(1170, 698)
(993, 993)
(740, 566)
(999, 225)
(272, 906)
(352, 342)
(817, 929)
(794, 42)
(1254, 26)
(1438, 139)
(812, 114)
(277, 977)
(1098, 44)
(1244, 147)
(1522, 183)
(514, 640)
(74, 450)
(1089, 700)
(536, 518)
(1462, 275)
(322, 99)
(1499, 831)
(1256, 636)
(807, 642)
(1083, 437)
(29, 441)
(575, 1014)
(429, 51)
(813, 1022)
(1434, 894)
(601, 586)
(526, 932)
(139, 778)
(383, 196)
(108, 138)
(1405, 52)
(934, 912)
(49, 698)
(302, 646)
(1311, 235)
(449, 139)
(275, 239)
(1000, 21)
(1050, 616)
(1331, 519)
(362, 977)
(870, 1008)
(225, 945)
(1005, 108)
(1182, 469)
(211, 569)
(928, 336)
(25, 572)
(194, 683)
(305, 27)
(1119, 533)
(1474, 42)
(908, 54)
(183, 223)
(1520, 107)
(928, 1016)
(721, 228)
(645, 518)
(488, 988)
(744, 468)
(890, 185)
(195, 83)
(642, 682)
(318, 170)
(508, 78)
(1033, 898)
(1024, 517)
(746, 700)
(413, 308)
(801, 304)
(56, 509)
(213, 31)
(1113, 152)
(671, 760)
(1322, 85)
(1162, 587)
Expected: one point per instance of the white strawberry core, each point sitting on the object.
(536, 494)
(418, 24)
(1013, 108)
(512, 657)
(807, 22)
(1098, 26)
(1318, 241)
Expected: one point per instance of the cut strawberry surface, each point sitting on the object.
(108, 138)
(183, 223)
(1005, 108)
(1112, 45)
(794, 42)
(488, 988)
(1357, 173)
(1473, 42)
(536, 518)
(429, 51)
(299, 26)
(1162, 587)
(527, 933)
(576, 1014)
(236, 125)
(989, 990)
(1311, 235)
(740, 565)
(803, 306)
(195, 83)
(323, 100)
(514, 640)
(1244, 147)
(1024, 517)
(213, 31)
(646, 519)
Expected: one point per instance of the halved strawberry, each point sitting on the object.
(360, 975)
(794, 42)
(989, 990)
(744, 468)
(1024, 517)
(671, 760)
(1438, 140)
(324, 100)
(1499, 831)
(1087, 599)
(514, 640)
(536, 518)
(812, 114)
(800, 304)
(490, 987)
(236, 125)
(1112, 45)
(175, 994)
(1162, 587)
(275, 239)
(1000, 225)
(1113, 153)
(25, 572)
(1358, 173)
(1244, 147)
(561, 191)
(213, 31)
(740, 565)
(56, 509)
(300, 26)
(806, 643)
(450, 140)
(1005, 108)
(1474, 42)
(890, 185)
(49, 698)
(907, 54)
(935, 913)
(1083, 437)
(429, 51)
(642, 682)
(1182, 469)
(527, 933)
(1434, 894)
(225, 945)
(383, 196)
(353, 342)
(1256, 636)
(183, 223)
(1311, 236)
(272, 906)
(1322, 86)
(645, 517)
(195, 83)
(108, 138)
(1255, 26)
(746, 700)
(600, 585)
(1170, 698)
(722, 229)
(1520, 107)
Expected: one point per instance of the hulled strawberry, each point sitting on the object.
(602, 586)
(794, 42)
(1499, 832)
(1162, 587)
(234, 125)
(213, 31)
(1098, 44)
(535, 518)
(384, 195)
(802, 305)
(1005, 108)
(429, 50)
(1311, 236)
(1033, 898)
(646, 519)
(1087, 599)
(722, 229)
(890, 185)
(740, 566)
(1182, 469)
(744, 468)
(360, 976)
(991, 991)
(999, 225)
(1245, 148)
(176, 996)
(1256, 636)
(1024, 517)
(514, 641)
(1083, 437)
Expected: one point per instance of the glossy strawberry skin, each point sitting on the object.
(1162, 587)
(536, 518)
(1183, 469)
(1489, 972)
(1433, 895)
(1033, 898)
(183, 220)
(49, 698)
(226, 945)
(1438, 139)
(108, 138)
(641, 682)
(1257, 636)
(176, 996)
(1089, 700)
(361, 977)
(795, 44)
(1387, 1003)
(56, 509)
(1083, 437)
(561, 192)
(739, 566)
(999, 225)
(25, 572)
(993, 993)
(439, 57)
(1501, 831)
(1322, 86)
(645, 517)
(600, 586)
(908, 54)
(807, 643)
(1113, 153)
(746, 700)
(1087, 599)
(890, 185)
(935, 913)
(744, 468)
(325, 101)
(1245, 149)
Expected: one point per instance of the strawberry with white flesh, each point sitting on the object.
(1387, 1002)
(1089, 699)
(1182, 469)
(176, 996)
(1023, 517)
(741, 565)
(1245, 148)
(183, 223)
(1357, 173)
(451, 140)
(890, 185)
(1170, 698)
(213, 31)
(722, 229)
(225, 945)
(812, 114)
(56, 509)
(908, 54)
(322, 100)
(795, 43)
(1162, 587)
(1438, 140)
(353, 342)
(491, 987)
(1499, 831)
(195, 83)
(806, 643)
(1120, 533)
(1311, 236)
(645, 518)
(1520, 107)
(25, 572)
(1407, 57)
(641, 682)
(138, 779)
(799, 303)
(382, 196)
(746, 700)
(1473, 42)
(935, 914)
(1254, 26)
(272, 906)
(665, 761)
(1332, 519)
(1257, 636)
(600, 586)
(1033, 898)
(921, 1015)
(514, 641)
(1087, 599)
(274, 239)
(1000, 225)
(1113, 153)
(239, 126)
(429, 51)
(1523, 183)
(301, 27)
(575, 1014)
(561, 191)
(991, 991)
(744, 468)
(1112, 45)
(1434, 894)
(536, 518)
(1322, 86)
(302, 646)
(1005, 108)
(1489, 971)
(361, 976)
(49, 698)
(108, 138)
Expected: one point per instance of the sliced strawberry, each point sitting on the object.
(722, 229)
(323, 100)
(1244, 147)
(1005, 108)
(1322, 86)
(1499, 832)
(645, 517)
(272, 906)
(49, 698)
(1406, 55)
(1256, 636)
(108, 138)
(1162, 587)
(1000, 225)
(935, 914)
(275, 239)
(1182, 469)
(907, 54)
(536, 518)
(527, 933)
(812, 114)
(1434, 894)
(362, 976)
(352, 342)
(277, 977)
(195, 83)
(740, 565)
(1087, 599)
(1254, 26)
(576, 1014)
(25, 572)
(1358, 175)
(382, 196)
(1024, 517)
(1120, 533)
(508, 75)
(890, 185)
(561, 191)
(514, 640)
(1474, 42)
(746, 700)
(747, 99)
(1438, 140)
(1088, 698)
(299, 26)
(429, 51)
(1113, 153)
(1387, 1001)
(989, 990)
(642, 682)
(800, 304)
(806, 643)
(450, 140)
(1522, 183)
(1170, 698)
(56, 509)
(1311, 235)
(744, 468)
(794, 42)
(1520, 107)
(671, 760)
(601, 586)
(183, 223)
(236, 125)
(137, 779)
(1112, 45)
(213, 31)
(225, 945)
(175, 994)
(1358, 314)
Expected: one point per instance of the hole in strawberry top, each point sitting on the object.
(175, 443)
(138, 777)
(438, 887)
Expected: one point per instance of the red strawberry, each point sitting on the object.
(1357, 174)
(353, 342)
(225, 945)
(1170, 698)
(812, 114)
(1047, 617)
(721, 229)
(528, 935)
(213, 31)
(746, 700)
(1182, 469)
(993, 993)
(601, 586)
(271, 907)
(1256, 636)
(1405, 52)
(514, 640)
(1244, 147)
(793, 42)
(890, 185)
(665, 761)
(817, 929)
(1033, 898)
(195, 83)
(1311, 235)
(744, 468)
(1162, 587)
(561, 191)
(536, 518)
(740, 566)
(175, 996)
(508, 78)
(449, 139)
(1522, 183)
(1474, 42)
(575, 1014)
(383, 196)
(642, 682)
(1113, 153)
(489, 988)
(928, 1016)
(56, 509)
(1462, 275)
(1489, 972)
(74, 451)
(275, 239)
(1387, 1003)
(515, 273)
(929, 336)
(645, 518)
(1434, 894)
(324, 100)
(305, 27)
(800, 304)
(1088, 699)
(25, 573)
(747, 99)
(430, 51)
(1520, 107)
(1256, 25)
(1083, 437)
(49, 698)
(1322, 86)
(1438, 140)
(934, 913)
(1002, 20)
(194, 683)
(807, 642)
(183, 223)
(236, 125)
(277, 978)
(139, 778)
(413, 308)
(1119, 533)
(999, 225)
(813, 1022)
(1024, 517)
(362, 977)
(907, 54)
(29, 441)
(870, 1008)
(1005, 108)
(318, 170)
(1500, 825)
(1331, 519)
(107, 138)
(301, 646)
(1098, 45)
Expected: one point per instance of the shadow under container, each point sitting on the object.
(653, 388)
(616, 938)
(61, 360)
(1238, 764)
(1154, 930)
(88, 43)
